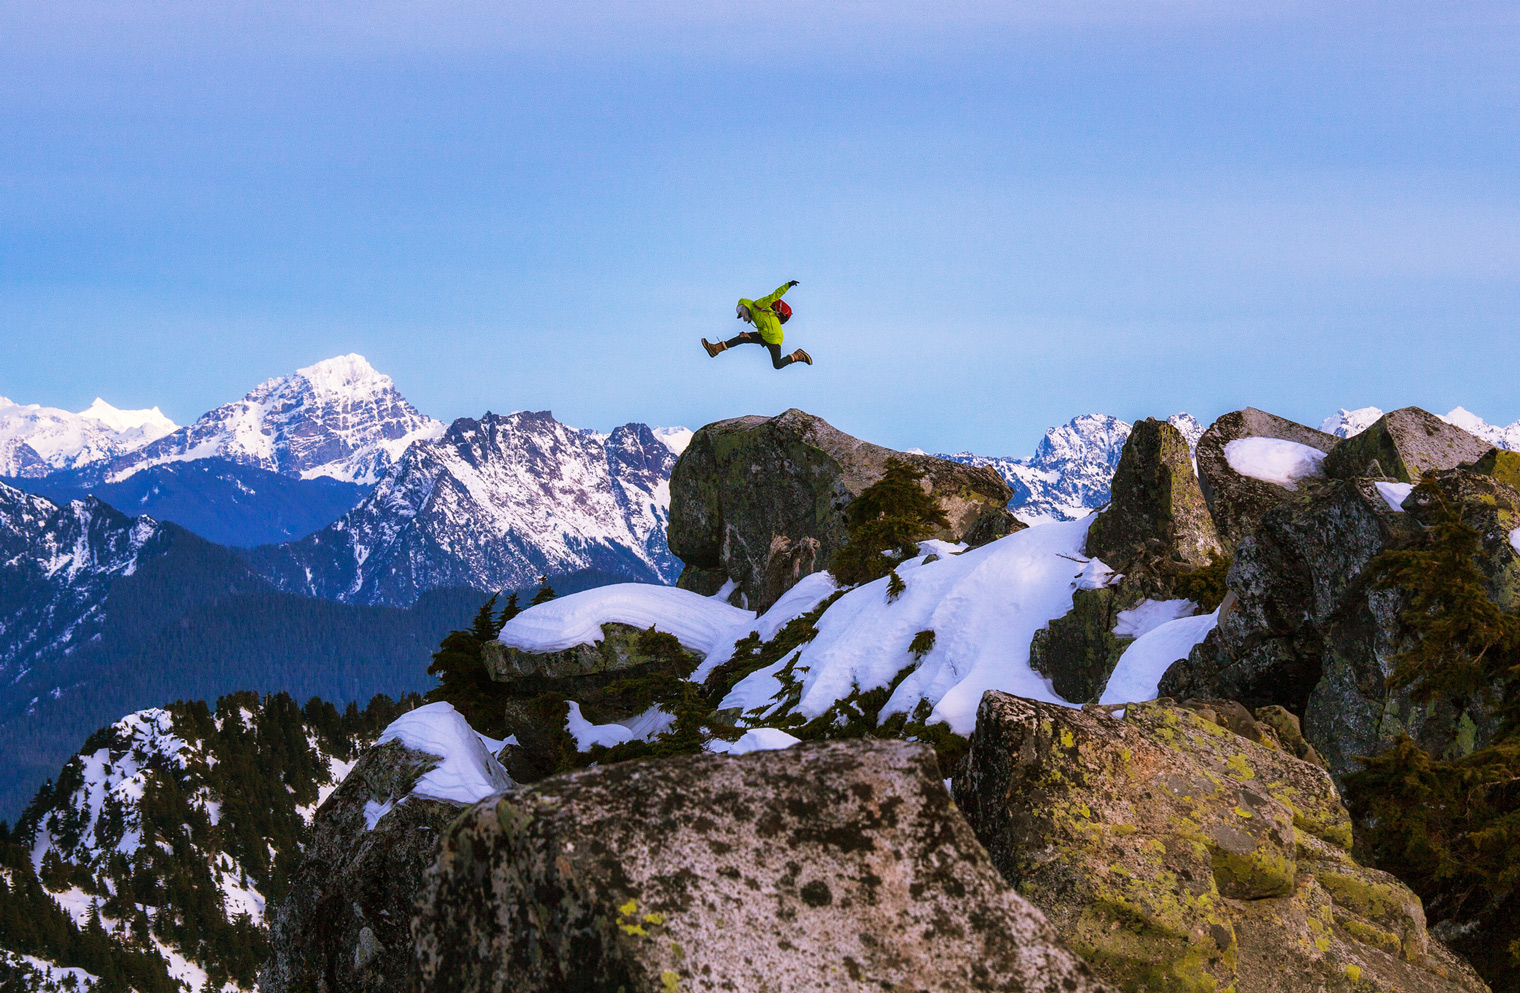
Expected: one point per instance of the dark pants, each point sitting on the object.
(753, 338)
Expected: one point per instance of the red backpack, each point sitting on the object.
(781, 310)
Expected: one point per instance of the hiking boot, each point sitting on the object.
(800, 356)
(713, 350)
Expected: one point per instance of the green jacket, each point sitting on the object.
(765, 321)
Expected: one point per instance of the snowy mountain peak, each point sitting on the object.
(338, 418)
(154, 422)
(1505, 437)
(494, 503)
(37, 440)
(346, 375)
(676, 439)
(1068, 476)
(1345, 423)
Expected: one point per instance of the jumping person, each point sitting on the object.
(767, 315)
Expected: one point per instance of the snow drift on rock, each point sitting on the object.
(467, 772)
(1394, 494)
(1139, 670)
(1147, 615)
(754, 740)
(1273, 460)
(984, 607)
(700, 623)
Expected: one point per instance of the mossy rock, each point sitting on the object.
(1078, 652)
(1157, 509)
(1175, 855)
(743, 482)
(1502, 465)
(1404, 444)
(1237, 502)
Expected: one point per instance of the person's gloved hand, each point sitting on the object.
(791, 284)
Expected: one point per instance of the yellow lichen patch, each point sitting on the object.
(654, 919)
(629, 909)
(1067, 739)
(1243, 812)
(1353, 972)
(1369, 935)
(670, 982)
(1240, 767)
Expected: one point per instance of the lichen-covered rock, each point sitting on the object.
(1175, 855)
(1078, 652)
(345, 925)
(1157, 512)
(828, 866)
(1305, 628)
(741, 483)
(1236, 501)
(1404, 444)
(622, 647)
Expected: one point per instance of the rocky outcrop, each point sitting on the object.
(1175, 855)
(1078, 652)
(1237, 501)
(741, 483)
(345, 925)
(1158, 511)
(829, 866)
(1305, 628)
(1404, 444)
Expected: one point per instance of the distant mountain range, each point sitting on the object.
(37, 440)
(1069, 474)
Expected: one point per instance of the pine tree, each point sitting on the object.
(1450, 828)
(545, 592)
(895, 586)
(508, 612)
(463, 680)
(886, 523)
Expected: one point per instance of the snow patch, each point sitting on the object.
(1514, 540)
(1139, 670)
(754, 740)
(984, 606)
(1273, 460)
(697, 622)
(1147, 615)
(466, 772)
(1394, 494)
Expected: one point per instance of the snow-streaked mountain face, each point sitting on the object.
(56, 564)
(1069, 475)
(676, 439)
(173, 815)
(1345, 423)
(37, 440)
(338, 418)
(493, 504)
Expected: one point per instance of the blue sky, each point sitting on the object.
(1001, 215)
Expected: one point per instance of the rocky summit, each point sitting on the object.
(1237, 500)
(742, 483)
(1174, 854)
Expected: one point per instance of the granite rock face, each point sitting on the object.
(1175, 855)
(1405, 444)
(1304, 627)
(345, 925)
(741, 483)
(1237, 501)
(1158, 510)
(828, 866)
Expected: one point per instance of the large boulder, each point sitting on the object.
(1305, 627)
(1404, 444)
(829, 866)
(1237, 500)
(742, 483)
(1157, 513)
(345, 924)
(1175, 855)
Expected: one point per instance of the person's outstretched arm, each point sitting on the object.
(765, 302)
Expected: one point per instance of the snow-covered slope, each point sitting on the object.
(1068, 476)
(338, 418)
(37, 440)
(494, 503)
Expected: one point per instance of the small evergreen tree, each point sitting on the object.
(895, 586)
(463, 680)
(1450, 828)
(545, 592)
(886, 523)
